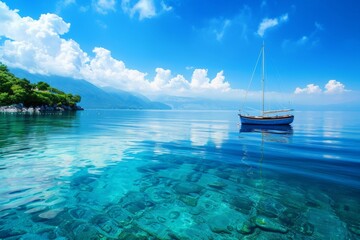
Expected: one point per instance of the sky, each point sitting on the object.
(191, 48)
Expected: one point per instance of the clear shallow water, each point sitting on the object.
(178, 175)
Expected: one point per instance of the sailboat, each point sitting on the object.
(267, 117)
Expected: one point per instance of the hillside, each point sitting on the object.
(93, 97)
(14, 90)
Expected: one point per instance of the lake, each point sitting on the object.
(127, 174)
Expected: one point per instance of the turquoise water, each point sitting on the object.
(102, 174)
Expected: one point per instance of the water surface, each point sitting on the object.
(103, 174)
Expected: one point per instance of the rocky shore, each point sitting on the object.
(20, 108)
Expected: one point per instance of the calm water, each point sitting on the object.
(178, 175)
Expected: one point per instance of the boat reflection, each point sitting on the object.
(271, 129)
(261, 140)
(270, 133)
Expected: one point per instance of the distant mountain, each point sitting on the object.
(92, 96)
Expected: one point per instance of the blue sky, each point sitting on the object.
(189, 47)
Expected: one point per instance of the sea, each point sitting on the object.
(146, 174)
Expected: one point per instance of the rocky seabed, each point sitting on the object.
(186, 200)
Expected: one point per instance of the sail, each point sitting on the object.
(262, 119)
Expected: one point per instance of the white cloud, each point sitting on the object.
(334, 86)
(144, 8)
(303, 40)
(104, 6)
(104, 70)
(331, 87)
(162, 78)
(284, 18)
(165, 7)
(308, 40)
(38, 47)
(268, 23)
(199, 83)
(61, 4)
(219, 27)
(309, 89)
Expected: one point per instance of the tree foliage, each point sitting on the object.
(14, 90)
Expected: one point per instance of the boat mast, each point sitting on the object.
(263, 78)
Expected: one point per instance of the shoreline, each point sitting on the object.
(19, 108)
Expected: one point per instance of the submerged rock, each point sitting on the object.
(193, 177)
(174, 214)
(223, 174)
(246, 227)
(189, 200)
(289, 217)
(160, 194)
(133, 234)
(270, 207)
(220, 224)
(242, 204)
(217, 185)
(187, 188)
(7, 233)
(323, 224)
(86, 231)
(268, 224)
(107, 226)
(135, 202)
(306, 228)
(121, 216)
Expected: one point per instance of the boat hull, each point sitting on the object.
(262, 120)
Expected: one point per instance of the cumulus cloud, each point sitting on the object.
(268, 23)
(103, 70)
(334, 86)
(200, 81)
(309, 89)
(104, 6)
(331, 87)
(38, 47)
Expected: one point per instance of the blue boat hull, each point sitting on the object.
(261, 120)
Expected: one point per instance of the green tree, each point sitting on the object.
(14, 90)
(42, 86)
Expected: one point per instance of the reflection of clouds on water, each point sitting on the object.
(45, 163)
(331, 126)
(202, 133)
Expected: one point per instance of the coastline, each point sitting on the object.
(19, 108)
